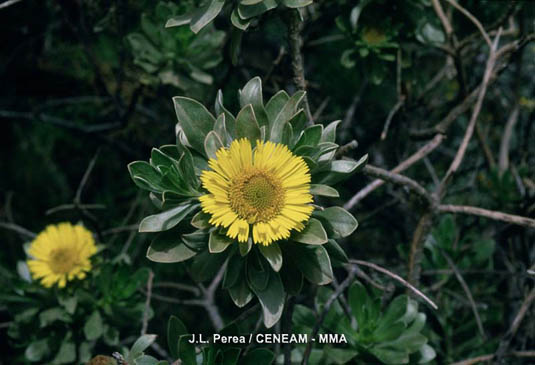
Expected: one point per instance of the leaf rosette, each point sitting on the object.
(239, 191)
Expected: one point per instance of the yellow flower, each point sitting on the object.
(268, 188)
(61, 253)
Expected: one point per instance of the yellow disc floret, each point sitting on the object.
(61, 253)
(268, 189)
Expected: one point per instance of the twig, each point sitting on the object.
(443, 18)
(467, 292)
(488, 357)
(499, 216)
(296, 43)
(146, 311)
(423, 227)
(343, 285)
(78, 196)
(503, 163)
(344, 150)
(475, 114)
(62, 207)
(321, 108)
(21, 230)
(391, 114)
(473, 19)
(508, 337)
(399, 180)
(421, 153)
(398, 278)
(7, 3)
(128, 228)
(178, 286)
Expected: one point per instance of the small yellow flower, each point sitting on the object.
(268, 188)
(61, 253)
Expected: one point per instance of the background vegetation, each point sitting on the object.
(439, 94)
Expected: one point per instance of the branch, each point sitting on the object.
(296, 43)
(343, 285)
(468, 293)
(503, 163)
(16, 228)
(473, 19)
(499, 216)
(398, 278)
(475, 114)
(488, 357)
(506, 340)
(421, 153)
(399, 180)
(146, 311)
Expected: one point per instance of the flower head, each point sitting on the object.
(61, 253)
(265, 191)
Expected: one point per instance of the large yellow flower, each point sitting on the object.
(268, 189)
(61, 253)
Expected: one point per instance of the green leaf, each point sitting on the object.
(212, 144)
(395, 311)
(66, 353)
(310, 137)
(312, 261)
(205, 265)
(329, 132)
(258, 272)
(247, 126)
(230, 121)
(275, 104)
(168, 248)
(186, 350)
(240, 293)
(52, 315)
(238, 22)
(145, 176)
(340, 170)
(427, 353)
(93, 327)
(252, 94)
(249, 11)
(178, 20)
(338, 220)
(358, 299)
(258, 356)
(236, 36)
(146, 360)
(205, 15)
(175, 329)
(335, 251)
(196, 121)
(292, 279)
(196, 241)
(323, 190)
(218, 242)
(340, 356)
(201, 220)
(37, 350)
(141, 344)
(271, 299)
(273, 255)
(312, 234)
(245, 247)
(390, 355)
(233, 271)
(284, 115)
(166, 220)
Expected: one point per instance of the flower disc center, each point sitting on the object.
(62, 260)
(256, 196)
